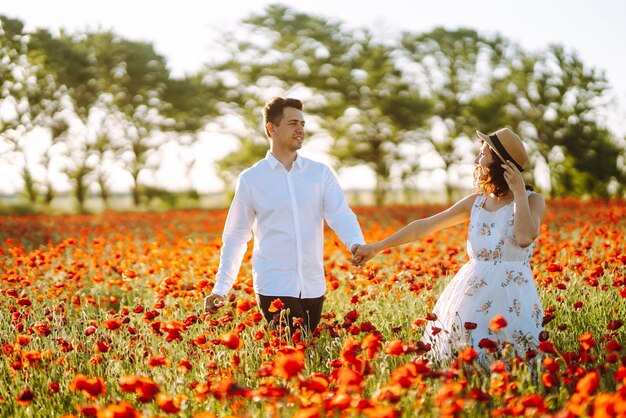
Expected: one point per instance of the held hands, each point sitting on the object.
(514, 178)
(213, 302)
(363, 254)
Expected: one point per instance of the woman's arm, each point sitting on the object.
(528, 209)
(456, 214)
(527, 220)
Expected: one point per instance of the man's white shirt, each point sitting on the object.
(285, 210)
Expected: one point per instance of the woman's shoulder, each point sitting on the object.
(533, 196)
(470, 200)
(536, 201)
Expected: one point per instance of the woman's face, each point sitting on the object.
(485, 156)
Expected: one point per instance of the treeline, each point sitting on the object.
(110, 103)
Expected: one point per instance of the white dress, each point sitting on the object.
(496, 280)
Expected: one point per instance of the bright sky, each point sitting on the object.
(184, 31)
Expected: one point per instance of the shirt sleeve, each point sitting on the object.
(237, 233)
(338, 214)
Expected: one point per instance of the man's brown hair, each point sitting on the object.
(273, 110)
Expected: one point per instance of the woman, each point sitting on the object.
(504, 218)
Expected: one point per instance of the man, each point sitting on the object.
(283, 201)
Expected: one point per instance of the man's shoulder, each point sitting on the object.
(253, 170)
(314, 164)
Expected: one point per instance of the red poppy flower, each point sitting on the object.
(244, 305)
(112, 324)
(145, 388)
(89, 410)
(553, 268)
(92, 387)
(231, 340)
(276, 305)
(346, 377)
(128, 275)
(468, 354)
(42, 328)
(184, 365)
(497, 323)
(547, 347)
(395, 347)
(352, 316)
(372, 345)
(488, 344)
(586, 341)
(169, 404)
(431, 316)
(288, 362)
(159, 360)
(120, 410)
(614, 325)
(588, 384)
(25, 397)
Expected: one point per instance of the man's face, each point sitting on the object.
(289, 134)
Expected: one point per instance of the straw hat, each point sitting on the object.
(507, 145)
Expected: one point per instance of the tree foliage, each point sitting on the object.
(109, 103)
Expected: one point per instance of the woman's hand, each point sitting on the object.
(514, 179)
(363, 254)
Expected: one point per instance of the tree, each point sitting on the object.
(127, 84)
(458, 68)
(253, 144)
(558, 104)
(147, 101)
(32, 96)
(352, 81)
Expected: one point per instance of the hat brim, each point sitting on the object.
(490, 143)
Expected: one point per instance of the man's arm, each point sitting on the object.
(338, 214)
(237, 233)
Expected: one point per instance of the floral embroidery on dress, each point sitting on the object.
(474, 284)
(486, 254)
(537, 314)
(485, 307)
(486, 229)
(513, 276)
(516, 308)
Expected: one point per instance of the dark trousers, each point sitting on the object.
(308, 310)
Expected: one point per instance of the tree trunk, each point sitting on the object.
(80, 192)
(29, 186)
(379, 192)
(104, 191)
(449, 192)
(49, 196)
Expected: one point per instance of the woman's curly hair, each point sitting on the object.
(490, 180)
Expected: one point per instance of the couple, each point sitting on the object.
(284, 199)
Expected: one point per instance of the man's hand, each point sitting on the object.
(213, 302)
(363, 254)
(354, 250)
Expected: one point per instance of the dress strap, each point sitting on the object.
(480, 200)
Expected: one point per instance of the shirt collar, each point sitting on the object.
(273, 161)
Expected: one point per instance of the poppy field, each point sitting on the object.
(101, 316)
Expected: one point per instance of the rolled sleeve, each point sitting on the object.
(237, 233)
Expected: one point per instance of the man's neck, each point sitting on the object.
(285, 158)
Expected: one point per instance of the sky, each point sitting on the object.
(184, 31)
